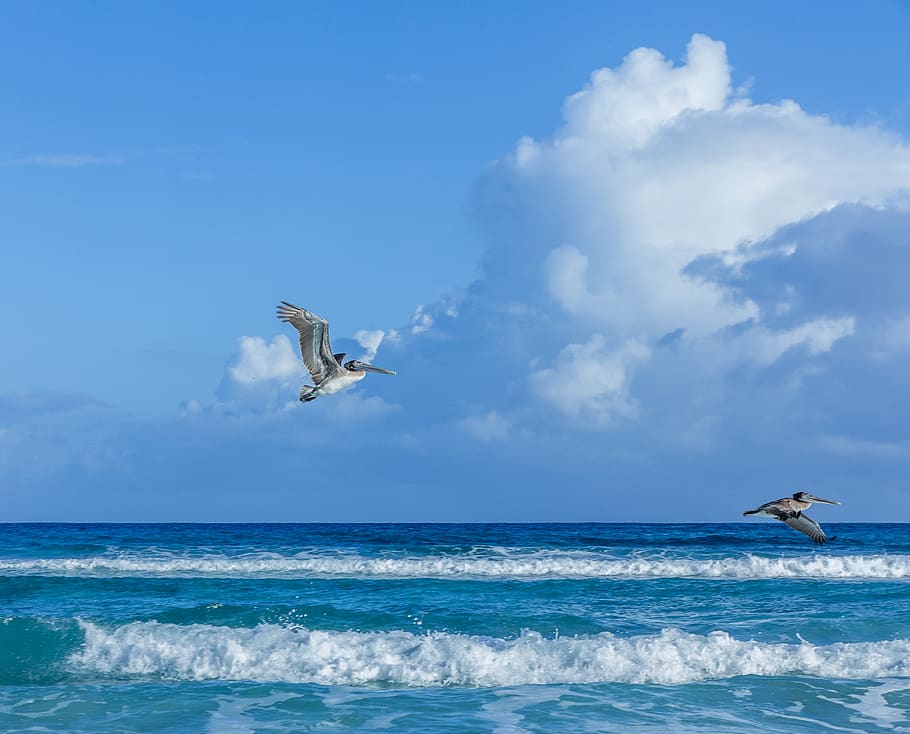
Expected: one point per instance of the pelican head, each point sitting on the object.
(355, 365)
(806, 497)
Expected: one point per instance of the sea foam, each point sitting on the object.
(276, 653)
(520, 565)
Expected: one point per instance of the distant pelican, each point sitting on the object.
(326, 369)
(790, 511)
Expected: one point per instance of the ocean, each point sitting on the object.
(235, 629)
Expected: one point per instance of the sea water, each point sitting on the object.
(453, 628)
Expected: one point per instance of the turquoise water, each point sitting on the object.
(453, 628)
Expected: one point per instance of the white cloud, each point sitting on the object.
(591, 306)
(369, 341)
(766, 346)
(258, 360)
(421, 321)
(426, 318)
(489, 427)
(659, 299)
(590, 381)
(263, 379)
(657, 165)
(625, 107)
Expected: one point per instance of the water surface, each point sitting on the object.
(455, 628)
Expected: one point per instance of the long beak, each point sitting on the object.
(371, 368)
(813, 498)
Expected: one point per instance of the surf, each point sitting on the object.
(513, 565)
(271, 652)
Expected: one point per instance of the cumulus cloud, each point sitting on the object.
(669, 247)
(263, 379)
(625, 107)
(591, 381)
(258, 360)
(658, 166)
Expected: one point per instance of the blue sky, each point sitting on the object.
(631, 262)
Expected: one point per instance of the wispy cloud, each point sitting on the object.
(404, 78)
(198, 176)
(487, 427)
(27, 402)
(84, 159)
(67, 160)
(865, 447)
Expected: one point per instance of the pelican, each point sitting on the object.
(329, 372)
(790, 511)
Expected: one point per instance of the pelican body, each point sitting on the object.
(329, 371)
(789, 510)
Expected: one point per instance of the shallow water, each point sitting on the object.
(455, 628)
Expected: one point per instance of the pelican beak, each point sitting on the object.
(371, 368)
(813, 498)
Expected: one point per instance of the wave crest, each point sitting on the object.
(300, 655)
(519, 566)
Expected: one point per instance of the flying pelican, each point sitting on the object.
(330, 374)
(790, 511)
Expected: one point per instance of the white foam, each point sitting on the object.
(519, 565)
(276, 653)
(873, 704)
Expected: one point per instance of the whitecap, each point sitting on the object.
(271, 652)
(530, 565)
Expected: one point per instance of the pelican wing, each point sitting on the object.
(314, 340)
(807, 525)
(778, 507)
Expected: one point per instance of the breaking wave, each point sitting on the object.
(276, 653)
(518, 566)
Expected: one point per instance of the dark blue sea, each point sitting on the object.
(236, 629)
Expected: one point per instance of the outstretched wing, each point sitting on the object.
(314, 340)
(807, 525)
